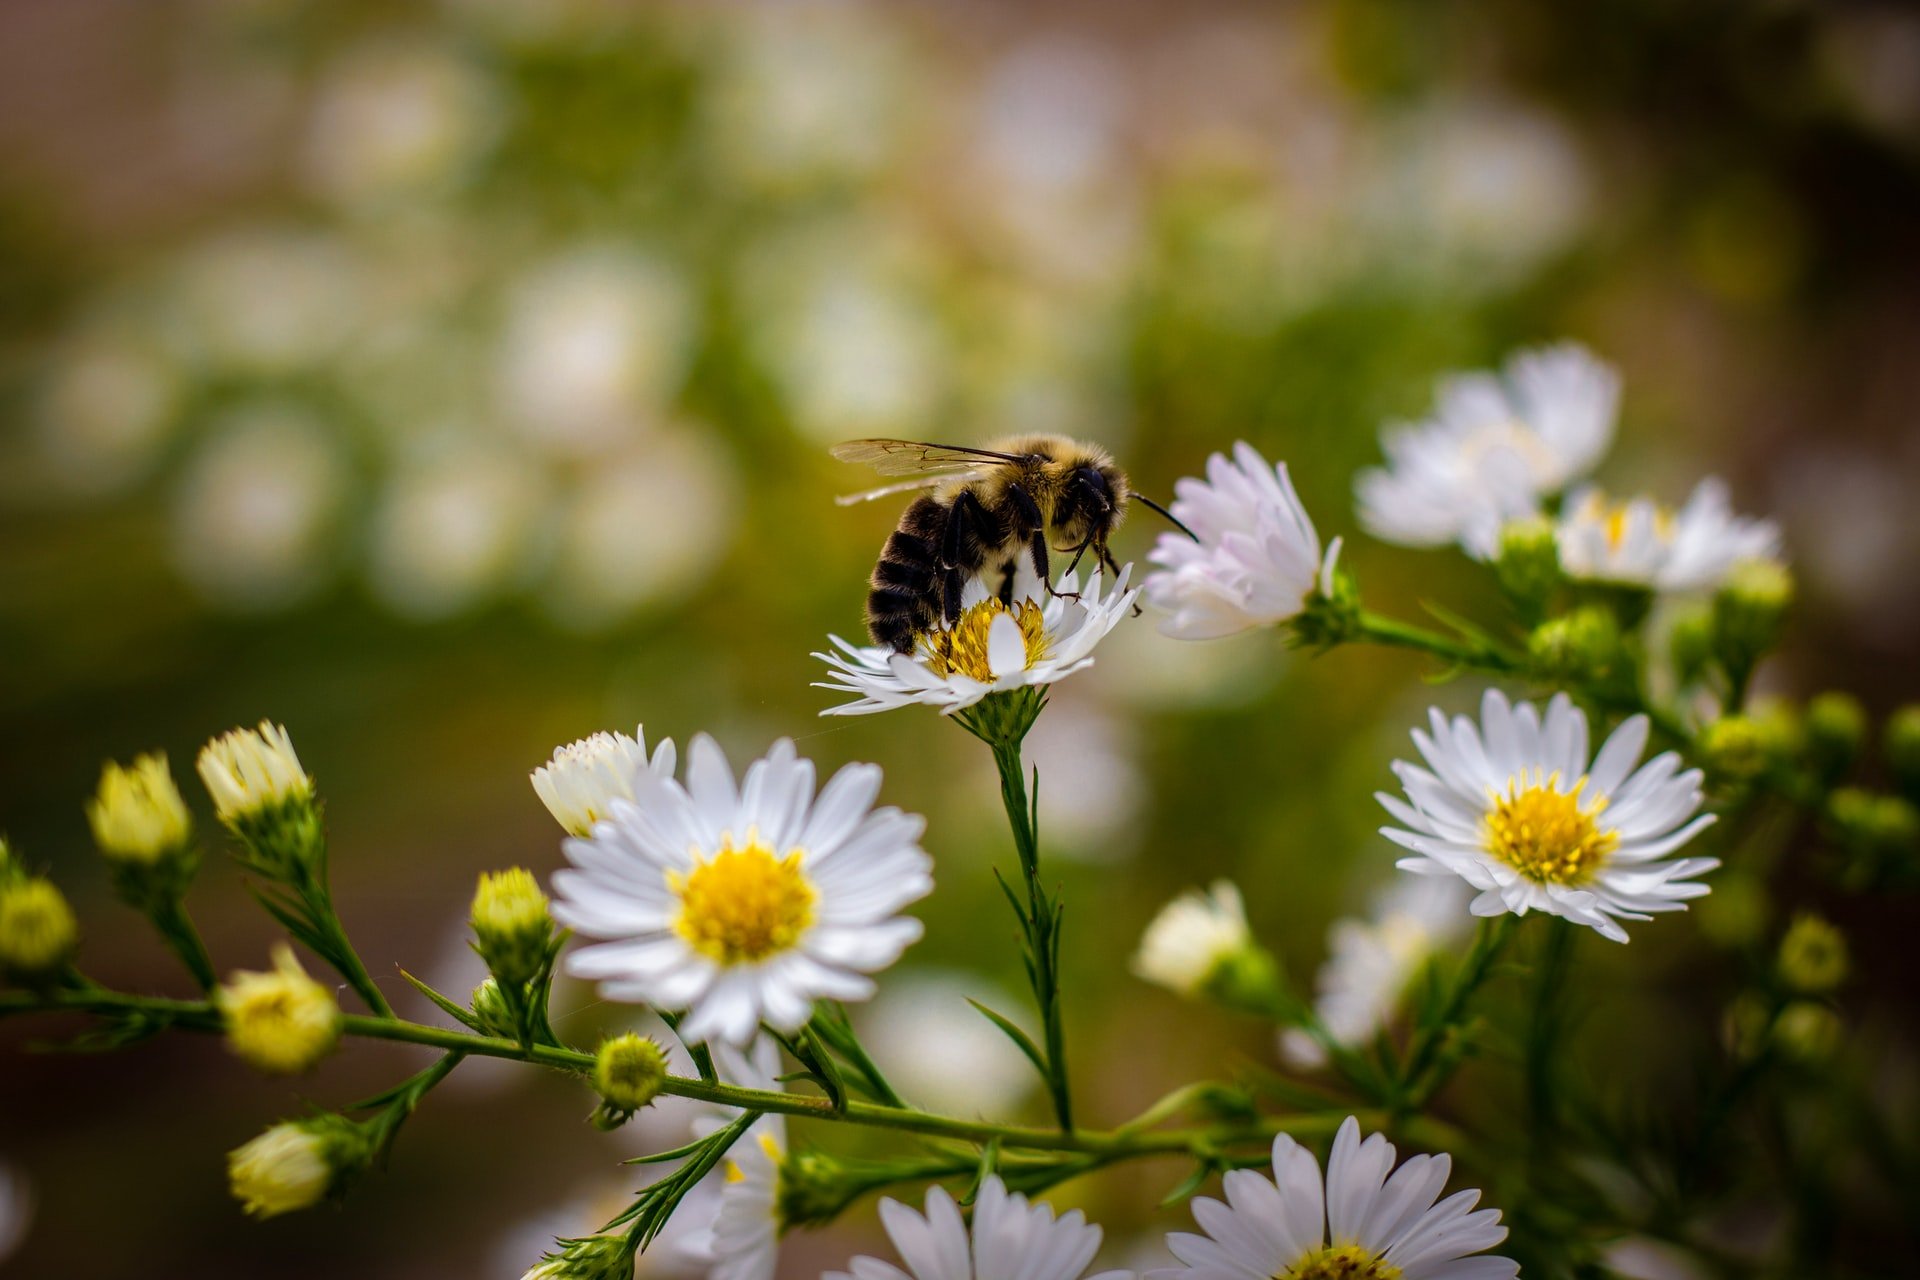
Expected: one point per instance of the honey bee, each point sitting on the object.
(1027, 496)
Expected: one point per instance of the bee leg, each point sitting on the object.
(962, 519)
(1072, 564)
(1113, 570)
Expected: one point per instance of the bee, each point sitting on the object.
(1027, 496)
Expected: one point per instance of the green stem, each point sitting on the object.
(1419, 1079)
(200, 1015)
(176, 929)
(1480, 655)
(1042, 922)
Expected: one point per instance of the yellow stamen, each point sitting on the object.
(964, 648)
(1543, 833)
(1342, 1262)
(744, 904)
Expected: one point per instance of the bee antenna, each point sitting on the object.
(1151, 505)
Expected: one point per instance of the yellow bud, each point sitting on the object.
(510, 924)
(628, 1072)
(1808, 1031)
(250, 770)
(284, 1169)
(137, 814)
(280, 1022)
(1813, 955)
(38, 933)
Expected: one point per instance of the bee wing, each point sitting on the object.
(913, 457)
(888, 490)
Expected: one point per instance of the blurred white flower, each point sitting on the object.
(594, 346)
(1644, 1258)
(857, 356)
(807, 93)
(16, 1209)
(1254, 559)
(1495, 447)
(1517, 807)
(268, 300)
(106, 408)
(1644, 544)
(745, 1240)
(1370, 962)
(1041, 639)
(256, 506)
(644, 528)
(396, 119)
(1186, 944)
(1008, 1238)
(1095, 786)
(455, 526)
(583, 779)
(937, 1050)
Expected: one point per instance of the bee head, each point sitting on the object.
(1091, 503)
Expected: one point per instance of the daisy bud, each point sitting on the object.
(511, 927)
(491, 1011)
(1836, 725)
(264, 797)
(592, 1258)
(627, 1073)
(1734, 749)
(1528, 562)
(1808, 1032)
(814, 1189)
(280, 1022)
(1813, 955)
(1876, 828)
(583, 779)
(1902, 740)
(296, 1165)
(1748, 612)
(38, 933)
(137, 815)
(1690, 644)
(1200, 945)
(1578, 647)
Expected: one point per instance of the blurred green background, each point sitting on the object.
(449, 381)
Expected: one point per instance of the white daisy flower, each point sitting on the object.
(1009, 1238)
(1371, 962)
(1192, 937)
(1644, 544)
(1513, 807)
(1254, 559)
(1039, 640)
(743, 904)
(584, 778)
(745, 1239)
(1360, 1224)
(1495, 446)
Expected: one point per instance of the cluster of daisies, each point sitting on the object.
(737, 902)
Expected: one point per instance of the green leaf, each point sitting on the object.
(1018, 1036)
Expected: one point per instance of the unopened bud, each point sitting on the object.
(1580, 646)
(1690, 644)
(1200, 945)
(1735, 749)
(1813, 955)
(296, 1165)
(1749, 611)
(264, 796)
(589, 1258)
(1527, 564)
(1836, 725)
(511, 926)
(627, 1073)
(1807, 1031)
(280, 1021)
(38, 933)
(492, 1012)
(137, 814)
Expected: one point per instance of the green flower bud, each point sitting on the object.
(38, 933)
(1836, 725)
(298, 1164)
(1735, 749)
(1807, 1031)
(511, 926)
(1813, 955)
(1902, 739)
(1690, 644)
(590, 1258)
(264, 796)
(492, 1012)
(1749, 611)
(1870, 820)
(1577, 647)
(813, 1189)
(627, 1073)
(1527, 564)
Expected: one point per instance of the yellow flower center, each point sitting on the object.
(1543, 833)
(964, 648)
(744, 904)
(1342, 1262)
(1613, 517)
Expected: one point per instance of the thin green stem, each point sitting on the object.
(1042, 922)
(177, 930)
(201, 1015)
(1425, 1070)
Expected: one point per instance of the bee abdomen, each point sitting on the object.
(905, 596)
